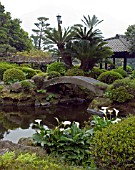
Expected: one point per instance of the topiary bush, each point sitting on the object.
(29, 72)
(52, 74)
(13, 75)
(109, 77)
(75, 72)
(122, 90)
(58, 67)
(120, 95)
(26, 85)
(5, 66)
(121, 71)
(114, 146)
(95, 72)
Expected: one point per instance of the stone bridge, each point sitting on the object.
(92, 84)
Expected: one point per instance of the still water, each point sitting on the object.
(16, 123)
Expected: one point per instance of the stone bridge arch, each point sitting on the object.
(92, 84)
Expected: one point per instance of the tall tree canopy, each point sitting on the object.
(12, 36)
(130, 34)
(39, 33)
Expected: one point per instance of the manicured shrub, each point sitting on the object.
(120, 95)
(109, 77)
(121, 71)
(56, 66)
(75, 72)
(52, 74)
(29, 72)
(95, 72)
(127, 85)
(26, 85)
(114, 146)
(13, 75)
(5, 66)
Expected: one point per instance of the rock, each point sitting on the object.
(26, 141)
(16, 87)
(20, 148)
(3, 151)
(99, 102)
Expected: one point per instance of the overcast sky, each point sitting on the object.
(117, 14)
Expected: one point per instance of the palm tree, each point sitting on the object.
(89, 46)
(60, 38)
(89, 55)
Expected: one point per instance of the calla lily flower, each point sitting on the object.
(66, 123)
(38, 121)
(116, 111)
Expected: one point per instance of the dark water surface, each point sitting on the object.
(17, 122)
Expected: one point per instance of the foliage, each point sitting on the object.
(130, 35)
(120, 95)
(122, 90)
(26, 85)
(13, 75)
(89, 46)
(121, 71)
(75, 72)
(56, 66)
(29, 72)
(3, 67)
(61, 38)
(13, 37)
(11, 161)
(70, 143)
(128, 68)
(52, 74)
(109, 77)
(113, 147)
(40, 32)
(95, 72)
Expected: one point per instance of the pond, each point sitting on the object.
(16, 123)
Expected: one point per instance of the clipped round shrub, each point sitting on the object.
(109, 77)
(52, 74)
(114, 146)
(13, 75)
(26, 85)
(95, 72)
(3, 67)
(75, 72)
(56, 66)
(25, 65)
(29, 72)
(120, 95)
(121, 71)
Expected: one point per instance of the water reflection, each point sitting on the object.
(17, 122)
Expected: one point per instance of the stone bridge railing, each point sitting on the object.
(93, 85)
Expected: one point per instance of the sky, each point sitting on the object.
(117, 15)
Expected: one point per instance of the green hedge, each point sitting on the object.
(114, 146)
(109, 77)
(56, 66)
(13, 75)
(29, 72)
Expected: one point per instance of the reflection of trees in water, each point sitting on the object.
(13, 117)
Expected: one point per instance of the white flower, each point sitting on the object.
(116, 111)
(61, 129)
(116, 121)
(38, 121)
(110, 111)
(66, 123)
(104, 110)
(77, 124)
